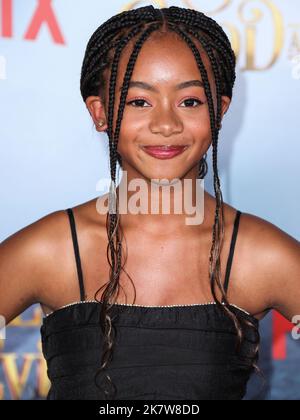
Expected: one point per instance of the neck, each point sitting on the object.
(162, 206)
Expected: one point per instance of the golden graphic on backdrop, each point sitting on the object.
(185, 3)
(246, 34)
(17, 369)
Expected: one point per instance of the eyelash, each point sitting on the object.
(144, 100)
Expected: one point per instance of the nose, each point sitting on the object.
(166, 122)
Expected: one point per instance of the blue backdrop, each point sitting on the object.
(52, 157)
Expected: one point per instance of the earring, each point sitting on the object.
(100, 123)
(203, 167)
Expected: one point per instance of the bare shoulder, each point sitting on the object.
(40, 238)
(36, 240)
(37, 263)
(268, 241)
(27, 258)
(269, 265)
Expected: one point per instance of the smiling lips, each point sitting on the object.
(164, 152)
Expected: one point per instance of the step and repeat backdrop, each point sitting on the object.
(52, 157)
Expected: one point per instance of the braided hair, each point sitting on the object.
(103, 53)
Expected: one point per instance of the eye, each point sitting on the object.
(138, 101)
(191, 100)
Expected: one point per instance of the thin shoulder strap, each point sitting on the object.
(76, 252)
(231, 251)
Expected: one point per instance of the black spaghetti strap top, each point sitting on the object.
(180, 352)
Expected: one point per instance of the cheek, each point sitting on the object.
(127, 139)
(133, 130)
(199, 127)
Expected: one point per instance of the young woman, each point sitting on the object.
(159, 82)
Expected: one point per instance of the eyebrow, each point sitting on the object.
(146, 86)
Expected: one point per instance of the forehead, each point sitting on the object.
(164, 57)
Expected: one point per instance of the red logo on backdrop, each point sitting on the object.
(42, 15)
(281, 327)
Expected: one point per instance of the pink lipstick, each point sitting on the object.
(164, 152)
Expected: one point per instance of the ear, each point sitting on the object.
(225, 105)
(96, 109)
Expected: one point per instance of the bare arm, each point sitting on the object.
(276, 267)
(25, 259)
(285, 294)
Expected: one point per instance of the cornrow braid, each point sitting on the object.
(209, 27)
(112, 87)
(104, 51)
(199, 20)
(127, 77)
(114, 143)
(100, 41)
(213, 128)
(208, 49)
(203, 164)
